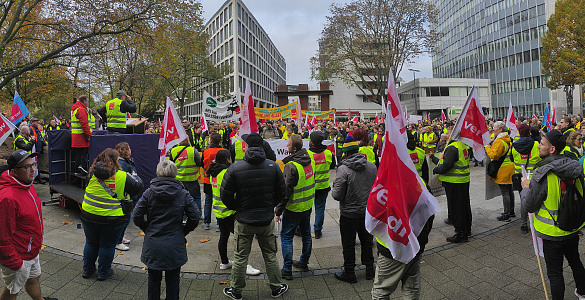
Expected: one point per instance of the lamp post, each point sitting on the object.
(414, 73)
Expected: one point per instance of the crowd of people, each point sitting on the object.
(249, 194)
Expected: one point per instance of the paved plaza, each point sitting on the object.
(497, 263)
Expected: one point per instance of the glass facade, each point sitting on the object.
(499, 40)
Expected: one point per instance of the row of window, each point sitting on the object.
(222, 52)
(520, 110)
(221, 19)
(253, 27)
(253, 73)
(516, 38)
(266, 63)
(271, 53)
(529, 83)
(442, 91)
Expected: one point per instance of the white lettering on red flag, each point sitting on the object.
(172, 132)
(6, 128)
(399, 205)
(471, 128)
(248, 119)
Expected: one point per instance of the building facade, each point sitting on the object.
(499, 40)
(238, 40)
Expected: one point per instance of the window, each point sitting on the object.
(527, 56)
(535, 55)
(528, 83)
(520, 84)
(506, 87)
(512, 60)
(540, 10)
(525, 35)
(533, 33)
(500, 88)
(536, 82)
(504, 62)
(513, 86)
(519, 59)
(444, 91)
(494, 89)
(435, 91)
(524, 15)
(516, 18)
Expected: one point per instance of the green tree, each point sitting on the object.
(363, 39)
(563, 57)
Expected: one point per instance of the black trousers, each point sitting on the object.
(81, 158)
(226, 226)
(459, 206)
(554, 251)
(172, 280)
(348, 228)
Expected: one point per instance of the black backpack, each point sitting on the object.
(493, 166)
(571, 213)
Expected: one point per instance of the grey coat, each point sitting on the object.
(352, 185)
(536, 194)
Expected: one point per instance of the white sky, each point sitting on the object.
(295, 27)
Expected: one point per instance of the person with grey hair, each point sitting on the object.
(498, 148)
(114, 113)
(24, 140)
(159, 213)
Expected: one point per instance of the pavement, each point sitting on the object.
(497, 263)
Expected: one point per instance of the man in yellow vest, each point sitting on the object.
(297, 205)
(429, 140)
(24, 141)
(418, 157)
(80, 133)
(541, 195)
(115, 112)
(188, 161)
(453, 170)
(322, 159)
(566, 126)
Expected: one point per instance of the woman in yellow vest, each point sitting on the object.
(105, 210)
(499, 147)
(574, 148)
(362, 138)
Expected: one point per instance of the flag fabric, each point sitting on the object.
(307, 125)
(399, 205)
(19, 110)
(248, 118)
(534, 116)
(536, 241)
(511, 121)
(383, 108)
(377, 121)
(443, 118)
(429, 117)
(394, 105)
(56, 120)
(172, 131)
(204, 126)
(554, 116)
(471, 128)
(6, 128)
(128, 116)
(335, 121)
(314, 122)
(406, 113)
(355, 120)
(546, 119)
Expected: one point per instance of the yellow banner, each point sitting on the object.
(320, 115)
(289, 111)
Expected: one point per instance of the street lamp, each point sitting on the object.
(414, 73)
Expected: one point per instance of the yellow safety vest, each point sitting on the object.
(368, 151)
(116, 118)
(76, 124)
(285, 135)
(460, 171)
(568, 149)
(418, 158)
(239, 150)
(304, 192)
(218, 207)
(91, 121)
(99, 202)
(26, 141)
(544, 221)
(322, 162)
(186, 165)
(520, 159)
(427, 138)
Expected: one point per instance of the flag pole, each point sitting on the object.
(542, 276)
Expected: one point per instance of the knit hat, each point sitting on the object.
(317, 137)
(349, 144)
(556, 139)
(524, 130)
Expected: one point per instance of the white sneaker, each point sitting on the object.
(580, 297)
(252, 271)
(125, 241)
(226, 266)
(122, 247)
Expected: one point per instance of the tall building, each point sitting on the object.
(499, 40)
(238, 40)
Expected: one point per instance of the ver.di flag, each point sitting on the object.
(172, 131)
(395, 108)
(248, 119)
(511, 121)
(203, 123)
(6, 128)
(471, 128)
(399, 204)
(19, 110)
(443, 118)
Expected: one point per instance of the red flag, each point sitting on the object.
(554, 116)
(263, 121)
(307, 125)
(6, 128)
(443, 118)
(471, 128)
(429, 117)
(313, 122)
(377, 118)
(534, 116)
(128, 116)
(172, 132)
(355, 120)
(248, 119)
(204, 126)
(399, 205)
(511, 121)
(395, 108)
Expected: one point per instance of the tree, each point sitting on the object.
(362, 40)
(563, 57)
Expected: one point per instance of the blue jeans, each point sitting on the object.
(123, 231)
(207, 208)
(320, 199)
(289, 225)
(100, 242)
(195, 192)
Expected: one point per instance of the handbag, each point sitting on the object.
(494, 165)
(127, 205)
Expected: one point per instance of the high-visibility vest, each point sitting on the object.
(91, 121)
(116, 118)
(76, 124)
(218, 207)
(568, 149)
(460, 171)
(520, 159)
(186, 165)
(516, 138)
(209, 155)
(427, 138)
(368, 151)
(492, 136)
(418, 158)
(239, 150)
(26, 141)
(99, 202)
(322, 162)
(285, 135)
(544, 221)
(304, 192)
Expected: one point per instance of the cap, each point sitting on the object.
(317, 137)
(34, 119)
(120, 94)
(349, 144)
(17, 157)
(556, 139)
(253, 139)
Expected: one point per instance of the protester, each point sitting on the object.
(541, 195)
(24, 141)
(80, 133)
(566, 126)
(159, 213)
(574, 147)
(418, 157)
(429, 140)
(361, 137)
(209, 156)
(498, 148)
(105, 211)
(270, 132)
(127, 165)
(352, 186)
(187, 160)
(322, 158)
(21, 228)
(259, 185)
(115, 112)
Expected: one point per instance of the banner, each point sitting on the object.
(289, 111)
(19, 110)
(219, 111)
(321, 115)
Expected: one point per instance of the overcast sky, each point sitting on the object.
(295, 27)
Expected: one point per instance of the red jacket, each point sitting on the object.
(21, 222)
(81, 140)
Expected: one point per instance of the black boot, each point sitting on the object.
(370, 272)
(346, 277)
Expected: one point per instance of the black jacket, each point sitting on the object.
(268, 152)
(291, 178)
(20, 144)
(353, 183)
(411, 145)
(159, 213)
(450, 157)
(253, 187)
